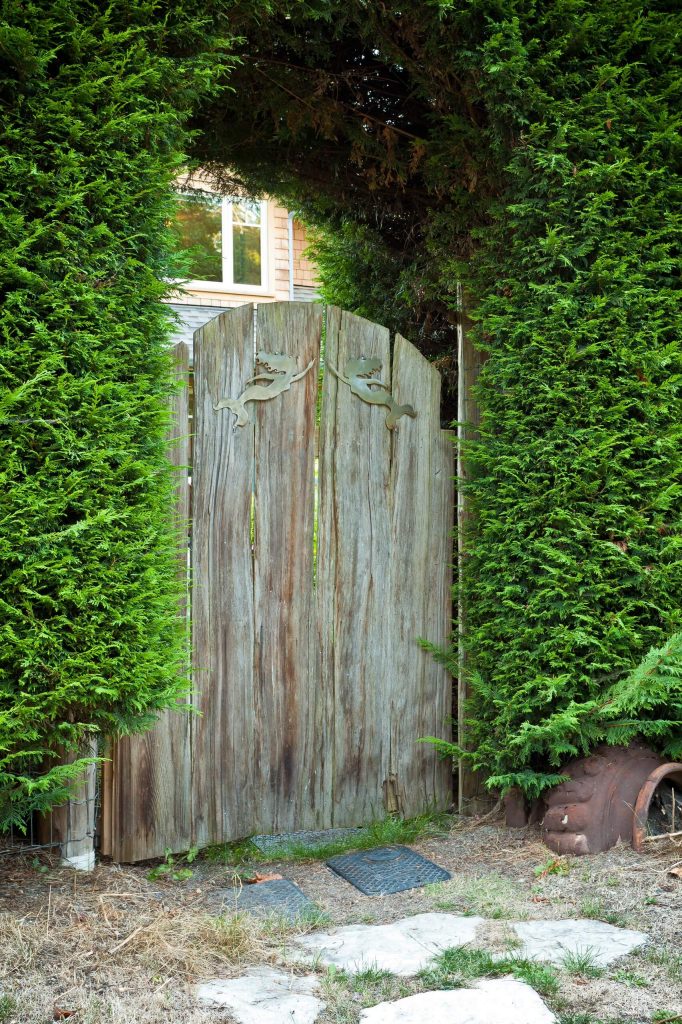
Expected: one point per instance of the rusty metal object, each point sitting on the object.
(596, 808)
(672, 771)
(519, 811)
(515, 811)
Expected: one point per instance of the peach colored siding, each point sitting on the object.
(305, 272)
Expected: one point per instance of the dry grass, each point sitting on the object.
(121, 949)
(123, 953)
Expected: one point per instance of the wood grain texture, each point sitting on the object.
(222, 582)
(354, 573)
(310, 683)
(286, 739)
(419, 698)
(146, 793)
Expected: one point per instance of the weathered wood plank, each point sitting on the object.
(419, 698)
(147, 802)
(311, 701)
(223, 783)
(353, 572)
(105, 824)
(72, 825)
(283, 728)
(472, 797)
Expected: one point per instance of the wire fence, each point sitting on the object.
(71, 827)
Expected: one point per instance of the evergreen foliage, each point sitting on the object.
(531, 151)
(95, 100)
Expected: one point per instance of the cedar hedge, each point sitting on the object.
(95, 100)
(531, 151)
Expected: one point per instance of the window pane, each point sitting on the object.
(246, 212)
(198, 227)
(246, 230)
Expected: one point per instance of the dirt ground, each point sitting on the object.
(114, 947)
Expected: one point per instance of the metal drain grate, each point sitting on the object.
(386, 870)
(311, 840)
(280, 896)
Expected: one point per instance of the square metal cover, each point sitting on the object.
(272, 845)
(386, 870)
(279, 896)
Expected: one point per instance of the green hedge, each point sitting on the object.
(575, 567)
(531, 151)
(94, 103)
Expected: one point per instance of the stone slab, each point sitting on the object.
(264, 996)
(501, 1001)
(552, 940)
(386, 870)
(402, 948)
(280, 896)
(312, 840)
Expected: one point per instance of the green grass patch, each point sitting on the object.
(583, 962)
(345, 994)
(455, 968)
(389, 831)
(8, 1008)
(669, 961)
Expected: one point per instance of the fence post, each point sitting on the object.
(72, 826)
(472, 796)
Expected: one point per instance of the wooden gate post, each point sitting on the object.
(472, 795)
(146, 783)
(73, 824)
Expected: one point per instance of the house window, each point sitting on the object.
(225, 239)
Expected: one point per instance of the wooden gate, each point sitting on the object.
(321, 551)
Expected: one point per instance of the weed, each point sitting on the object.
(619, 920)
(630, 978)
(313, 917)
(368, 976)
(170, 868)
(346, 993)
(596, 910)
(670, 962)
(539, 976)
(591, 908)
(666, 1017)
(585, 1018)
(579, 1018)
(552, 866)
(230, 854)
(8, 1008)
(583, 962)
(454, 967)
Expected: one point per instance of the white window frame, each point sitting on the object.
(228, 284)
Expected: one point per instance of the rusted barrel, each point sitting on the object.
(607, 798)
(670, 772)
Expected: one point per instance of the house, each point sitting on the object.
(242, 250)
